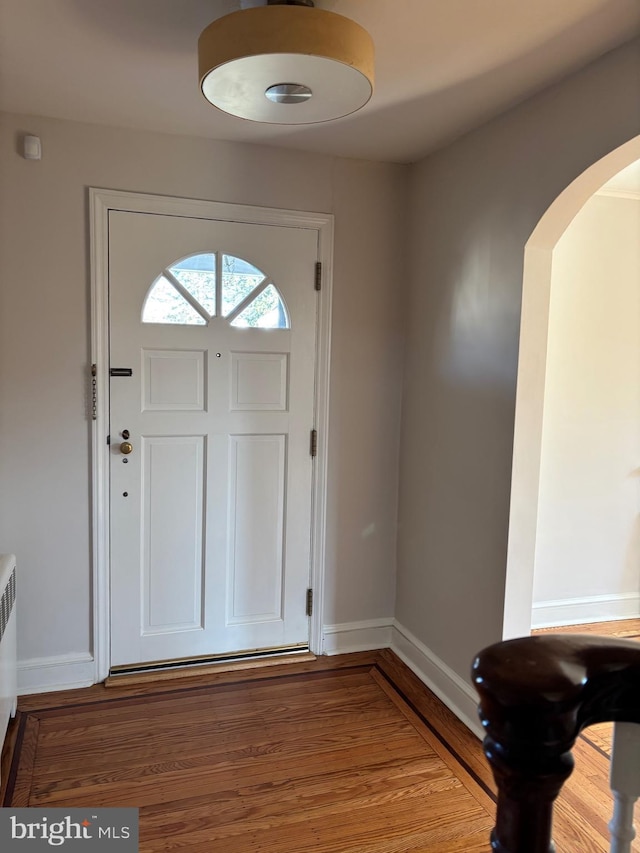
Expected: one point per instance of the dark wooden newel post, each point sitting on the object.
(536, 695)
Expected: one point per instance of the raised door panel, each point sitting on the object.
(173, 380)
(255, 565)
(172, 533)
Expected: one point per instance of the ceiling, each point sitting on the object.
(442, 66)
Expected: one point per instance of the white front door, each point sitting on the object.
(211, 508)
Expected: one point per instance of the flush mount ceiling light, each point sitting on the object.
(286, 63)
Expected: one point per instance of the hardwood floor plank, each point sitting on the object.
(423, 780)
(100, 736)
(343, 826)
(316, 800)
(177, 786)
(201, 739)
(177, 754)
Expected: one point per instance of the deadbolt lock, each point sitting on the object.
(126, 447)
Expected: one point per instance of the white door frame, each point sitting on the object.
(101, 201)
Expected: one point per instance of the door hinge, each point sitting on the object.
(318, 281)
(313, 445)
(309, 602)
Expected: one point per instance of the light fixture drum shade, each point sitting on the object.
(245, 53)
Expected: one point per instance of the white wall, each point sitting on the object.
(587, 564)
(474, 205)
(44, 355)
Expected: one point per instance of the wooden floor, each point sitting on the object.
(349, 754)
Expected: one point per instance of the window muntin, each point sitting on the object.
(193, 290)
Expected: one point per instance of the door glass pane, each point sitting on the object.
(165, 305)
(239, 278)
(267, 311)
(197, 274)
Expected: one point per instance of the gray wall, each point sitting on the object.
(474, 205)
(45, 346)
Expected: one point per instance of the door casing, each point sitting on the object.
(101, 201)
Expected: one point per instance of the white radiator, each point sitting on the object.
(8, 678)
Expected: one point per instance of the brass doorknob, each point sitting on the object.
(126, 447)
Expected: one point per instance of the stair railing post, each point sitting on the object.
(536, 696)
(527, 788)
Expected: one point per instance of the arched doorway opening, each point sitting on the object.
(531, 382)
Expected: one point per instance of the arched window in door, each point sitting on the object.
(213, 284)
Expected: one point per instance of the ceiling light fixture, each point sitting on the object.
(286, 63)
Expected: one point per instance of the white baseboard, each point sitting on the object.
(580, 611)
(357, 636)
(65, 672)
(452, 690)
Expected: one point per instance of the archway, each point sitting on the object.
(531, 382)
